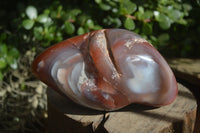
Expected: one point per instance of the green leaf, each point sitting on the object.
(27, 24)
(12, 62)
(129, 24)
(187, 7)
(3, 63)
(141, 9)
(37, 31)
(69, 28)
(164, 21)
(177, 5)
(3, 49)
(60, 7)
(163, 38)
(31, 12)
(127, 7)
(47, 11)
(160, 16)
(58, 37)
(52, 29)
(164, 25)
(82, 19)
(164, 2)
(45, 44)
(80, 31)
(147, 28)
(137, 30)
(115, 10)
(49, 36)
(141, 15)
(182, 21)
(117, 22)
(53, 14)
(97, 27)
(174, 14)
(153, 38)
(1, 76)
(104, 7)
(3, 36)
(147, 15)
(75, 12)
(156, 14)
(43, 18)
(13, 52)
(22, 86)
(98, 1)
(71, 15)
(90, 23)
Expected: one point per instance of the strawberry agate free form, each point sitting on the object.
(107, 70)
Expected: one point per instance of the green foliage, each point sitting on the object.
(127, 7)
(147, 18)
(129, 24)
(69, 28)
(8, 56)
(53, 23)
(47, 22)
(28, 24)
(31, 12)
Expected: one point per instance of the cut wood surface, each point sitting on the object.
(64, 116)
(188, 72)
(187, 69)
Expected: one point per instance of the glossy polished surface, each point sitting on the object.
(107, 70)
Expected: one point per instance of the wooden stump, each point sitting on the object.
(65, 116)
(188, 72)
(186, 69)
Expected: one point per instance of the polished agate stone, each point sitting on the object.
(107, 70)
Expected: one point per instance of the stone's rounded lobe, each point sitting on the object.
(107, 70)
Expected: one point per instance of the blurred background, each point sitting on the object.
(28, 27)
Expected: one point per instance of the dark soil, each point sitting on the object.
(23, 102)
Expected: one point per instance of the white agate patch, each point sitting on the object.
(40, 65)
(129, 43)
(77, 78)
(61, 75)
(146, 78)
(54, 69)
(74, 77)
(83, 77)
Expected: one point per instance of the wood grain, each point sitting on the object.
(186, 69)
(65, 116)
